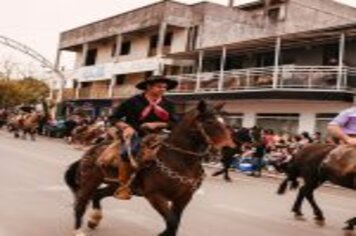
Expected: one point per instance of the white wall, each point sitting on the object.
(306, 109)
(179, 42)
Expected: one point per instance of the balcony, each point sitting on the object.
(290, 77)
(94, 93)
(68, 94)
(124, 91)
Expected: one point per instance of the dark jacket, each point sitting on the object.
(130, 112)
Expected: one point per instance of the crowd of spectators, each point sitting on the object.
(272, 148)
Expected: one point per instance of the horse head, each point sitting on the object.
(211, 125)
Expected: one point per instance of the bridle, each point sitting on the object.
(202, 154)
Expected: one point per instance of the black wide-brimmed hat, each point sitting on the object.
(171, 84)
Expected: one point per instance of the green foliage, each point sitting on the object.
(26, 91)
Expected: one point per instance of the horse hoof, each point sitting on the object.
(79, 233)
(299, 216)
(348, 228)
(319, 221)
(92, 225)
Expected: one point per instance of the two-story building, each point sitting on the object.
(289, 65)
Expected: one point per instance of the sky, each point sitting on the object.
(38, 23)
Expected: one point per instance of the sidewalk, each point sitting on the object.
(266, 174)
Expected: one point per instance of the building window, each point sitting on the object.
(113, 50)
(322, 121)
(192, 37)
(277, 13)
(234, 120)
(91, 57)
(120, 79)
(148, 74)
(153, 41)
(284, 123)
(168, 39)
(125, 48)
(265, 59)
(331, 54)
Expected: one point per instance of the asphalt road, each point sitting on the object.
(34, 201)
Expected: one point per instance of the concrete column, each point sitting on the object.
(222, 68)
(51, 88)
(276, 62)
(57, 62)
(56, 76)
(200, 69)
(161, 36)
(231, 3)
(119, 40)
(160, 68)
(307, 122)
(249, 120)
(111, 87)
(85, 49)
(79, 86)
(341, 59)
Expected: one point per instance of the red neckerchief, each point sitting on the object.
(157, 110)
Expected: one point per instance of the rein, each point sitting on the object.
(191, 153)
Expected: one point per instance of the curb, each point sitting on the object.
(276, 176)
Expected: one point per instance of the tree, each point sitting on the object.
(26, 91)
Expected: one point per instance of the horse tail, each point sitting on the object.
(70, 176)
(292, 178)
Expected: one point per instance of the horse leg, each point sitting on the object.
(164, 208)
(96, 214)
(350, 224)
(33, 135)
(319, 216)
(83, 196)
(226, 175)
(178, 208)
(227, 165)
(298, 203)
(24, 134)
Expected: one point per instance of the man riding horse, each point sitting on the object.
(150, 111)
(343, 127)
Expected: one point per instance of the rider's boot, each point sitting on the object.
(124, 191)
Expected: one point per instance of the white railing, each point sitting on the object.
(286, 77)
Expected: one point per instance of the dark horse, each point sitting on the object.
(241, 136)
(169, 182)
(3, 118)
(310, 164)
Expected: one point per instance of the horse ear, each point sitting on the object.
(202, 106)
(219, 106)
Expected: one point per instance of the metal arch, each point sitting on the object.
(36, 56)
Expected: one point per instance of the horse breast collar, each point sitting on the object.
(193, 183)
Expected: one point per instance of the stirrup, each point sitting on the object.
(111, 180)
(123, 193)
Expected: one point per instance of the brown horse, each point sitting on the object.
(315, 164)
(168, 182)
(27, 124)
(4, 115)
(86, 135)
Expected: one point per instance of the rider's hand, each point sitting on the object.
(351, 141)
(152, 125)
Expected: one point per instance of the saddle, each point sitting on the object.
(148, 150)
(341, 160)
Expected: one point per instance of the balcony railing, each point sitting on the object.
(283, 77)
(94, 93)
(68, 94)
(124, 91)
